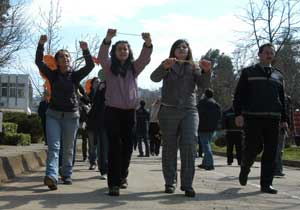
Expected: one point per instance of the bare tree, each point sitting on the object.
(12, 31)
(272, 21)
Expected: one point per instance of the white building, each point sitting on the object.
(15, 92)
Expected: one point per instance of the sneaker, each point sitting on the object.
(114, 191)
(169, 189)
(50, 182)
(124, 184)
(66, 180)
(103, 177)
(268, 189)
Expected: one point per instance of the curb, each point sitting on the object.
(291, 163)
(12, 166)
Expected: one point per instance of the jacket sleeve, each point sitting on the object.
(43, 68)
(284, 117)
(103, 56)
(240, 94)
(143, 59)
(159, 73)
(202, 79)
(89, 65)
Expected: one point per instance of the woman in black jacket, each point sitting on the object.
(62, 115)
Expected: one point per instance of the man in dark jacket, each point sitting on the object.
(209, 117)
(142, 123)
(259, 106)
(233, 136)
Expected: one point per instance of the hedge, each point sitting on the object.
(30, 124)
(9, 127)
(9, 138)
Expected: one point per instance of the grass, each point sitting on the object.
(292, 153)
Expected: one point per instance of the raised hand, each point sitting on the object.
(239, 121)
(83, 45)
(147, 38)
(43, 39)
(205, 65)
(169, 62)
(110, 34)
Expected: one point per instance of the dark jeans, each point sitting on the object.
(234, 139)
(143, 138)
(118, 124)
(260, 132)
(155, 138)
(102, 151)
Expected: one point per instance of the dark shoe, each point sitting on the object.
(279, 174)
(229, 163)
(201, 166)
(50, 182)
(114, 191)
(140, 155)
(189, 192)
(66, 180)
(243, 177)
(92, 166)
(169, 189)
(147, 155)
(84, 158)
(124, 184)
(268, 189)
(209, 168)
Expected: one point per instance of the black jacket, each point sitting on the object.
(64, 86)
(228, 120)
(142, 121)
(96, 114)
(209, 114)
(260, 94)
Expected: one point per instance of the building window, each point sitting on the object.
(3, 91)
(12, 90)
(21, 91)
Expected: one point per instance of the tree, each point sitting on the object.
(272, 21)
(223, 78)
(288, 62)
(12, 31)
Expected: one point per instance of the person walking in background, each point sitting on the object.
(142, 127)
(154, 130)
(209, 118)
(178, 116)
(96, 124)
(43, 106)
(62, 116)
(121, 99)
(259, 106)
(233, 136)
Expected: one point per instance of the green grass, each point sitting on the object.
(292, 153)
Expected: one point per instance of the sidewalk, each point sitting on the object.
(15, 160)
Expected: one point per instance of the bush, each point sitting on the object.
(30, 124)
(16, 139)
(10, 127)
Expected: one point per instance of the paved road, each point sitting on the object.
(218, 189)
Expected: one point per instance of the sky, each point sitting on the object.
(205, 24)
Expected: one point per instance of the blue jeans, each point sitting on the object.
(206, 138)
(60, 129)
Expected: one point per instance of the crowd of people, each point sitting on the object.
(107, 117)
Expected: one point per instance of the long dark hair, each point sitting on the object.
(116, 66)
(176, 44)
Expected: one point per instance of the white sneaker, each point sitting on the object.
(103, 177)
